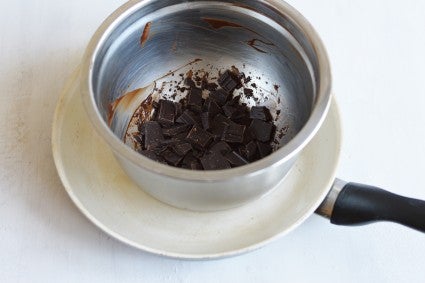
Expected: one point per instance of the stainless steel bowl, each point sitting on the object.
(141, 42)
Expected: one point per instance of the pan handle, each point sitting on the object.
(356, 204)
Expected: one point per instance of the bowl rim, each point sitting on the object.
(282, 155)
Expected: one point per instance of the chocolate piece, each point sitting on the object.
(229, 110)
(181, 137)
(219, 124)
(235, 159)
(211, 107)
(206, 122)
(249, 151)
(189, 82)
(171, 157)
(194, 100)
(214, 161)
(178, 107)
(220, 96)
(261, 130)
(233, 133)
(221, 147)
(175, 130)
(182, 148)
(228, 82)
(166, 113)
(199, 137)
(260, 113)
(264, 149)
(153, 135)
(248, 92)
(191, 162)
(189, 118)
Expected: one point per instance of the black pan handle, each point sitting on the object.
(356, 204)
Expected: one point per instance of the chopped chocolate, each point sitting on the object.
(229, 110)
(153, 135)
(218, 125)
(194, 100)
(261, 130)
(228, 82)
(260, 113)
(211, 107)
(175, 130)
(171, 157)
(264, 149)
(235, 159)
(249, 151)
(178, 108)
(221, 147)
(248, 92)
(206, 121)
(214, 161)
(220, 96)
(198, 137)
(233, 133)
(166, 112)
(182, 148)
(218, 132)
(189, 118)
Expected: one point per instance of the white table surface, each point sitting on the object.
(377, 52)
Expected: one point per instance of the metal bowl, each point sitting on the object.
(147, 43)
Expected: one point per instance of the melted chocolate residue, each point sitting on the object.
(253, 45)
(145, 34)
(218, 24)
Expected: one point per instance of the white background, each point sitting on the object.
(377, 53)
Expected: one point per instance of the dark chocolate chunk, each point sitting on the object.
(264, 149)
(178, 108)
(189, 82)
(211, 107)
(228, 82)
(249, 151)
(153, 135)
(220, 96)
(189, 118)
(198, 137)
(235, 159)
(221, 147)
(175, 130)
(169, 142)
(248, 92)
(219, 124)
(191, 162)
(166, 113)
(260, 113)
(181, 137)
(209, 86)
(206, 121)
(182, 148)
(233, 133)
(261, 130)
(194, 100)
(214, 161)
(188, 159)
(171, 157)
(229, 110)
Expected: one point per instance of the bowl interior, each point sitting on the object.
(152, 47)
